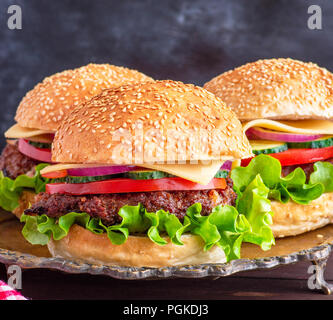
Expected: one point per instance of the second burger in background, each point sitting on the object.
(142, 180)
(38, 116)
(286, 107)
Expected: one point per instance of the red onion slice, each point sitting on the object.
(281, 136)
(226, 165)
(100, 171)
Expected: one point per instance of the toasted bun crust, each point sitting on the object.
(291, 219)
(276, 89)
(85, 246)
(45, 106)
(149, 122)
(27, 198)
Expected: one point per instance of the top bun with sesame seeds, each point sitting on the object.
(276, 89)
(150, 122)
(45, 106)
(295, 98)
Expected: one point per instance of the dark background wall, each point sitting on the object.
(189, 40)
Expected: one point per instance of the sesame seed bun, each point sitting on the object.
(150, 122)
(46, 105)
(282, 89)
(276, 89)
(138, 251)
(291, 218)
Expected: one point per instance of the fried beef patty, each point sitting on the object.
(307, 168)
(13, 163)
(106, 206)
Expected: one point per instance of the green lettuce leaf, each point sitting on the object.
(323, 173)
(293, 186)
(10, 190)
(225, 226)
(162, 221)
(133, 221)
(255, 206)
(30, 230)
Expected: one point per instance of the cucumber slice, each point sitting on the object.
(318, 143)
(72, 179)
(40, 145)
(267, 146)
(147, 174)
(222, 174)
(142, 175)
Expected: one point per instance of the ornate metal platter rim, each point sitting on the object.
(192, 271)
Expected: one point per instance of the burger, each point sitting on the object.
(286, 108)
(40, 112)
(142, 178)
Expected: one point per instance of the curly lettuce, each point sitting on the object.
(11, 189)
(293, 186)
(323, 174)
(226, 226)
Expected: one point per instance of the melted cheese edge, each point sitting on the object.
(299, 126)
(18, 132)
(198, 173)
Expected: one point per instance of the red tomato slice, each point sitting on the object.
(129, 185)
(298, 156)
(39, 154)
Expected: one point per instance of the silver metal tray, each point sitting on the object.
(313, 246)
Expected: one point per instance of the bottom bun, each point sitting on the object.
(138, 251)
(27, 198)
(291, 218)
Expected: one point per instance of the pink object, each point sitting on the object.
(8, 293)
(30, 151)
(227, 165)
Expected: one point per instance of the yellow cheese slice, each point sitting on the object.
(199, 173)
(17, 132)
(235, 164)
(12, 142)
(299, 126)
